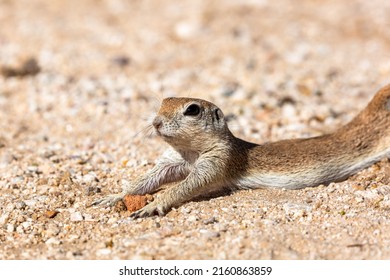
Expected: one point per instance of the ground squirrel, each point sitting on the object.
(205, 156)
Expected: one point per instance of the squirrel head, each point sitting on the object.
(189, 123)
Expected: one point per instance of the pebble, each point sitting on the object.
(185, 210)
(209, 221)
(19, 229)
(385, 203)
(121, 60)
(76, 217)
(296, 210)
(103, 252)
(289, 112)
(10, 207)
(20, 218)
(185, 29)
(4, 218)
(369, 195)
(112, 220)
(359, 199)
(129, 242)
(26, 225)
(53, 241)
(209, 234)
(31, 203)
(192, 218)
(51, 213)
(17, 180)
(32, 169)
(52, 230)
(89, 178)
(10, 228)
(89, 218)
(20, 205)
(6, 159)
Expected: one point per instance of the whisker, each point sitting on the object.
(144, 131)
(150, 132)
(156, 101)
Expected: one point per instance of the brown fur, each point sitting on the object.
(206, 156)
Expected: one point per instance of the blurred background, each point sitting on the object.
(90, 57)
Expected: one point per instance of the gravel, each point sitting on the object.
(78, 88)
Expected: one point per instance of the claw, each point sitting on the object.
(149, 210)
(109, 200)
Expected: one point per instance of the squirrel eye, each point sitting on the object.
(192, 110)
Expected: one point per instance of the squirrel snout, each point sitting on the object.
(157, 122)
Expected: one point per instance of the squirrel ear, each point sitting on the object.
(218, 114)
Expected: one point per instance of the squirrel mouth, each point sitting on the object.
(159, 133)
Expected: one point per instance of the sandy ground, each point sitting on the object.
(72, 120)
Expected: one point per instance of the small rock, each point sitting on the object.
(121, 60)
(112, 220)
(359, 199)
(10, 228)
(65, 179)
(296, 210)
(76, 217)
(89, 178)
(20, 218)
(136, 202)
(209, 234)
(103, 252)
(109, 243)
(289, 111)
(30, 203)
(53, 241)
(28, 67)
(10, 207)
(20, 229)
(371, 195)
(51, 213)
(20, 205)
(4, 219)
(385, 203)
(90, 190)
(185, 30)
(6, 158)
(52, 230)
(32, 168)
(185, 210)
(128, 242)
(89, 218)
(210, 221)
(192, 218)
(17, 180)
(304, 89)
(26, 225)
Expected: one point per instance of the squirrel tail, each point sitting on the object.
(381, 101)
(376, 114)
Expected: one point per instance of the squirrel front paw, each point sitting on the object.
(109, 200)
(149, 210)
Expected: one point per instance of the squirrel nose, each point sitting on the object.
(157, 122)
